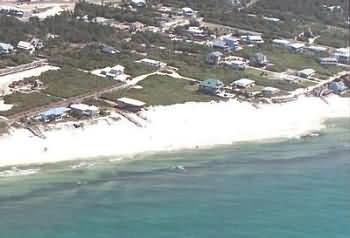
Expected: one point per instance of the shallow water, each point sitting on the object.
(294, 188)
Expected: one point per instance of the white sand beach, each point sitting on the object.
(175, 127)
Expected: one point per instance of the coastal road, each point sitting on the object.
(76, 99)
(63, 103)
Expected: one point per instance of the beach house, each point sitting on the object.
(258, 59)
(24, 45)
(54, 114)
(188, 12)
(220, 44)
(114, 71)
(280, 43)
(196, 31)
(243, 83)
(231, 42)
(270, 91)
(211, 86)
(151, 62)
(84, 109)
(316, 50)
(296, 47)
(138, 3)
(253, 39)
(306, 73)
(130, 104)
(214, 57)
(329, 61)
(236, 64)
(337, 87)
(342, 54)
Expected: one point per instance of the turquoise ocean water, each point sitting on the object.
(298, 188)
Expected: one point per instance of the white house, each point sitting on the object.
(253, 39)
(243, 83)
(306, 73)
(196, 31)
(151, 62)
(280, 43)
(329, 61)
(84, 109)
(186, 11)
(236, 64)
(342, 54)
(24, 45)
(138, 3)
(317, 49)
(296, 47)
(113, 72)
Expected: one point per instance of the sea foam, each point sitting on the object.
(182, 126)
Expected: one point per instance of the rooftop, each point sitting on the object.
(58, 111)
(212, 83)
(244, 82)
(132, 102)
(83, 107)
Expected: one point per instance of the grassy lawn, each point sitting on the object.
(3, 127)
(283, 60)
(69, 82)
(229, 75)
(14, 60)
(64, 83)
(91, 57)
(162, 90)
(24, 102)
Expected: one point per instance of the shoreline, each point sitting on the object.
(171, 128)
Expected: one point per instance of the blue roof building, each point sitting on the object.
(211, 86)
(54, 114)
(337, 87)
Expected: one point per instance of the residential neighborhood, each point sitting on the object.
(174, 119)
(159, 39)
